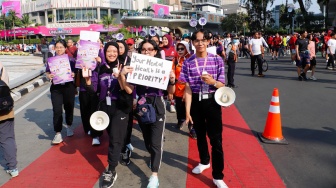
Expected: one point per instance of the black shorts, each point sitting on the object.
(313, 62)
(276, 48)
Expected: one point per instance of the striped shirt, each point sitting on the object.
(190, 74)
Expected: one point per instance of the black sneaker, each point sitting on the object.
(192, 134)
(179, 125)
(109, 179)
(303, 75)
(300, 78)
(125, 157)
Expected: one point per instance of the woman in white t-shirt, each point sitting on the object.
(257, 53)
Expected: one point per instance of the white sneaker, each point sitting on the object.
(200, 168)
(309, 70)
(313, 78)
(172, 109)
(220, 183)
(69, 131)
(57, 139)
(95, 141)
(130, 146)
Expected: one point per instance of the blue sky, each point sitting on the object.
(313, 8)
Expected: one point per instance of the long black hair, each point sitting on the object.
(124, 55)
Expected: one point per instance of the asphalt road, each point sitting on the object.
(308, 120)
(307, 110)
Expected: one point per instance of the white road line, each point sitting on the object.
(30, 102)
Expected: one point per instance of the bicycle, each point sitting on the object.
(264, 65)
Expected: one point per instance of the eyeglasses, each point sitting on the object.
(200, 41)
(180, 49)
(143, 50)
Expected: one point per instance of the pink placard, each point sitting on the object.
(60, 67)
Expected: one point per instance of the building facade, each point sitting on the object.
(68, 17)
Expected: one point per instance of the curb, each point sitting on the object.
(26, 77)
(18, 94)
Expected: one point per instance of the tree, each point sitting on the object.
(304, 7)
(51, 16)
(234, 22)
(25, 20)
(12, 16)
(107, 22)
(257, 10)
(69, 15)
(89, 15)
(326, 4)
(4, 19)
(148, 9)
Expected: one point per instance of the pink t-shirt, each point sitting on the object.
(311, 48)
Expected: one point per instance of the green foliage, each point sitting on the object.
(235, 22)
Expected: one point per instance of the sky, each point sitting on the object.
(314, 7)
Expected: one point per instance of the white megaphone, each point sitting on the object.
(225, 96)
(99, 120)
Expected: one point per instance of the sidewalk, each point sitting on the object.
(21, 71)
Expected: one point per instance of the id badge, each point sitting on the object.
(108, 101)
(205, 96)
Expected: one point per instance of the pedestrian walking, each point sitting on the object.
(62, 96)
(110, 86)
(257, 54)
(153, 133)
(203, 73)
(302, 55)
(7, 135)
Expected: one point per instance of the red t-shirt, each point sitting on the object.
(292, 41)
(270, 40)
(277, 41)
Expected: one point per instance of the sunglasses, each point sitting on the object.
(180, 49)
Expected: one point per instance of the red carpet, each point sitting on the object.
(81, 164)
(246, 163)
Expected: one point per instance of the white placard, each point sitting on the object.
(212, 50)
(92, 36)
(149, 71)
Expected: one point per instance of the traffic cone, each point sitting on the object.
(273, 132)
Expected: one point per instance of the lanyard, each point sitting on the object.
(205, 62)
(110, 79)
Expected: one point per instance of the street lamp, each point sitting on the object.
(292, 11)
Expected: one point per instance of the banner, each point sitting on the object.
(11, 5)
(149, 71)
(60, 67)
(87, 52)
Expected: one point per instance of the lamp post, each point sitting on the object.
(292, 11)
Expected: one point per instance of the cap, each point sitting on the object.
(130, 41)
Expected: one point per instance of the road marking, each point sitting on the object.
(30, 102)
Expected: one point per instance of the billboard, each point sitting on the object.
(160, 10)
(11, 5)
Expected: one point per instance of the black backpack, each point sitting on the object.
(6, 100)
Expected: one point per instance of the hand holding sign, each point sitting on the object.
(150, 71)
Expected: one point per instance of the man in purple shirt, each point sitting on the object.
(203, 73)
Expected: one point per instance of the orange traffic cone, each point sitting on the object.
(273, 132)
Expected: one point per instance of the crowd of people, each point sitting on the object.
(194, 77)
(106, 89)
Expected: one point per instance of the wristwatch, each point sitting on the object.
(215, 84)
